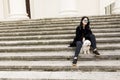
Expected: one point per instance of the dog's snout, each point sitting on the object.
(88, 45)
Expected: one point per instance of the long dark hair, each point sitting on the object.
(86, 26)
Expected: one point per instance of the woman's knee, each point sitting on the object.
(79, 43)
(92, 35)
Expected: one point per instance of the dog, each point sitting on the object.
(86, 47)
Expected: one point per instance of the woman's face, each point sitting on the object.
(85, 21)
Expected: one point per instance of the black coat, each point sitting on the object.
(80, 33)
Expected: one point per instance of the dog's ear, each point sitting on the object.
(90, 43)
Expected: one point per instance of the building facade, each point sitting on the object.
(36, 9)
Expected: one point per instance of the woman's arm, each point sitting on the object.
(89, 30)
(78, 34)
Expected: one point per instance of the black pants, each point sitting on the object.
(79, 45)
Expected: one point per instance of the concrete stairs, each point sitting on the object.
(38, 49)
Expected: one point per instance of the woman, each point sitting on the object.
(83, 31)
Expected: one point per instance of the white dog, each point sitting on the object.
(86, 47)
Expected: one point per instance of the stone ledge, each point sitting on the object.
(32, 75)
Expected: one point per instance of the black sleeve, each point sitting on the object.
(78, 34)
(89, 30)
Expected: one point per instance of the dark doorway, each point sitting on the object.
(28, 8)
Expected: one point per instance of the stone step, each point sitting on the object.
(58, 30)
(69, 21)
(65, 19)
(56, 46)
(58, 75)
(56, 26)
(56, 42)
(50, 48)
(78, 21)
(106, 66)
(62, 56)
(61, 53)
(62, 22)
(44, 32)
(53, 25)
(52, 33)
(56, 36)
(53, 20)
(52, 28)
